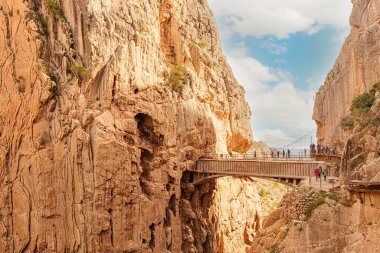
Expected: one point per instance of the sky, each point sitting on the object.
(281, 51)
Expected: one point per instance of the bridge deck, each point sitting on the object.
(257, 168)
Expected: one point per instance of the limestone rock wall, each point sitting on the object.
(230, 209)
(332, 227)
(361, 157)
(355, 71)
(238, 209)
(93, 137)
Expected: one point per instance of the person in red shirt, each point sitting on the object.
(316, 173)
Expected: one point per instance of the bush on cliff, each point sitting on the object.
(347, 123)
(54, 8)
(362, 103)
(313, 205)
(42, 24)
(77, 69)
(177, 77)
(376, 87)
(360, 110)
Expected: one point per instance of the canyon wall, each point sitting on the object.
(361, 157)
(103, 106)
(355, 71)
(313, 221)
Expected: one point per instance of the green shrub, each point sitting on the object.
(42, 24)
(54, 8)
(55, 91)
(177, 77)
(274, 248)
(360, 110)
(20, 79)
(263, 193)
(202, 43)
(272, 207)
(21, 88)
(362, 103)
(77, 68)
(54, 78)
(43, 138)
(347, 123)
(313, 205)
(376, 87)
(328, 195)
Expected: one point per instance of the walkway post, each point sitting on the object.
(320, 181)
(309, 175)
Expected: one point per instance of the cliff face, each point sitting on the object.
(361, 157)
(356, 70)
(237, 210)
(304, 223)
(104, 104)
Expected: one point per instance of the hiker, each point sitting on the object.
(320, 170)
(283, 153)
(316, 173)
(278, 154)
(313, 148)
(304, 152)
(324, 174)
(289, 153)
(254, 154)
(271, 153)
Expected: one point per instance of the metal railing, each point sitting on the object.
(258, 156)
(324, 153)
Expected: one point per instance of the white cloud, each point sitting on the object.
(274, 100)
(273, 47)
(274, 138)
(279, 18)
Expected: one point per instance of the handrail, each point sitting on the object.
(259, 156)
(266, 156)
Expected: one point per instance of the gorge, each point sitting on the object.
(104, 107)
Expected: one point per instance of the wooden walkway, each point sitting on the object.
(292, 171)
(330, 158)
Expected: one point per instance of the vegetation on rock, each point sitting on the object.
(347, 123)
(77, 69)
(43, 138)
(54, 8)
(360, 114)
(42, 24)
(202, 43)
(313, 205)
(177, 77)
(274, 248)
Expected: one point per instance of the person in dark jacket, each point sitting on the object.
(324, 173)
(320, 171)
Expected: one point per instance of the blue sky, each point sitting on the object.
(281, 52)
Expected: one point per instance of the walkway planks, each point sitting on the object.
(257, 168)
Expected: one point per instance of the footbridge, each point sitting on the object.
(288, 169)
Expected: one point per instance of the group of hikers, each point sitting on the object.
(321, 149)
(276, 153)
(319, 171)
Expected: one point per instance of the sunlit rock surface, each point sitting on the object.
(96, 127)
(355, 71)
